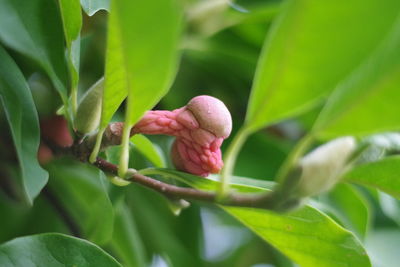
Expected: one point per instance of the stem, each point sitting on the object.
(261, 200)
(264, 200)
(97, 145)
(74, 100)
(124, 155)
(230, 159)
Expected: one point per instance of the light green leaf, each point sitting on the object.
(21, 113)
(141, 61)
(80, 190)
(312, 46)
(307, 236)
(53, 250)
(116, 87)
(367, 102)
(72, 21)
(92, 6)
(141, 55)
(34, 29)
(382, 174)
(149, 150)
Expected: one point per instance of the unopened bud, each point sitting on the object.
(200, 128)
(212, 115)
(322, 168)
(89, 109)
(178, 205)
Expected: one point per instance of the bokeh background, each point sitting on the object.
(219, 54)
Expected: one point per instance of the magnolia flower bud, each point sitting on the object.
(322, 168)
(199, 127)
(89, 109)
(212, 115)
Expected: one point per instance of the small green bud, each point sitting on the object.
(176, 206)
(118, 181)
(89, 109)
(323, 167)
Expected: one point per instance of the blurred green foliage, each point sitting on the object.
(291, 72)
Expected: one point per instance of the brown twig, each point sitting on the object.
(81, 150)
(171, 191)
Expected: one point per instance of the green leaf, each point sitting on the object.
(390, 206)
(72, 21)
(141, 55)
(149, 150)
(92, 6)
(312, 46)
(34, 29)
(351, 207)
(71, 18)
(23, 219)
(22, 116)
(53, 250)
(254, 162)
(367, 102)
(382, 174)
(159, 227)
(126, 240)
(307, 236)
(116, 87)
(81, 191)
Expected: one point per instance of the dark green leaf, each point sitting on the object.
(22, 219)
(80, 190)
(310, 49)
(53, 250)
(158, 226)
(382, 174)
(126, 240)
(34, 29)
(22, 117)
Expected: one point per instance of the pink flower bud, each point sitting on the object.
(199, 128)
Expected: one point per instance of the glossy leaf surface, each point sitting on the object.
(307, 236)
(53, 250)
(24, 124)
(310, 49)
